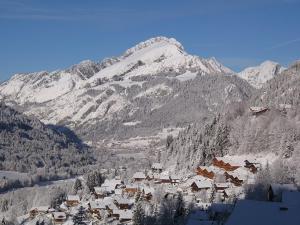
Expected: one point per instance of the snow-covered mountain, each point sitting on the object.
(153, 84)
(260, 74)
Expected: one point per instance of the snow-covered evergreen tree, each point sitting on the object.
(138, 214)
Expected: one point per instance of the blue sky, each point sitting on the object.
(55, 34)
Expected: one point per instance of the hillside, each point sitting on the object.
(26, 145)
(239, 131)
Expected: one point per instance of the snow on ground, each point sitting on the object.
(13, 175)
(158, 90)
(249, 212)
(132, 123)
(239, 160)
(186, 76)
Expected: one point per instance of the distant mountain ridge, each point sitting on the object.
(149, 81)
(257, 76)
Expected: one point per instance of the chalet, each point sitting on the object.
(59, 217)
(233, 179)
(175, 179)
(33, 212)
(131, 190)
(205, 173)
(139, 176)
(116, 213)
(221, 186)
(164, 179)
(147, 193)
(111, 185)
(225, 166)
(123, 203)
(72, 200)
(100, 192)
(126, 216)
(157, 168)
(118, 191)
(96, 206)
(251, 166)
(275, 191)
(256, 110)
(201, 185)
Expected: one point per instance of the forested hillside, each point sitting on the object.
(26, 144)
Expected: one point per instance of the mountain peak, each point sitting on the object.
(258, 75)
(152, 41)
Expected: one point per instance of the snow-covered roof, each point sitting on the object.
(257, 109)
(157, 166)
(59, 215)
(121, 200)
(40, 208)
(222, 185)
(164, 177)
(248, 212)
(101, 190)
(139, 175)
(279, 188)
(203, 184)
(110, 185)
(118, 191)
(148, 190)
(126, 215)
(132, 186)
(175, 177)
(73, 198)
(108, 200)
(97, 204)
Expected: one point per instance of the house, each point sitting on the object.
(147, 193)
(175, 179)
(202, 171)
(221, 186)
(34, 211)
(253, 167)
(164, 179)
(96, 206)
(125, 216)
(233, 179)
(123, 203)
(131, 190)
(111, 185)
(225, 166)
(156, 168)
(139, 176)
(201, 185)
(59, 217)
(100, 192)
(256, 110)
(275, 191)
(72, 200)
(116, 213)
(118, 191)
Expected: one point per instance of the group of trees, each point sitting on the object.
(169, 211)
(94, 179)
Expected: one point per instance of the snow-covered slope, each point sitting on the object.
(259, 75)
(138, 83)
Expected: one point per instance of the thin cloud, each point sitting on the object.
(286, 43)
